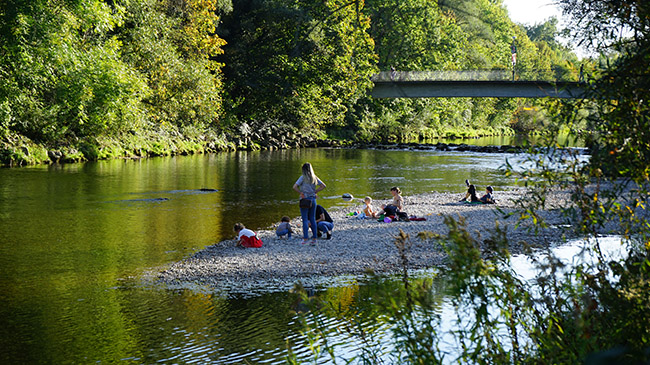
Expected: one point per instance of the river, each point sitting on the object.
(76, 239)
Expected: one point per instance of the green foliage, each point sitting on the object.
(171, 46)
(311, 60)
(466, 35)
(414, 35)
(592, 313)
(16, 150)
(81, 70)
(411, 311)
(620, 124)
(546, 32)
(76, 69)
(64, 73)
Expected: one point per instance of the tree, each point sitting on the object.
(63, 70)
(414, 35)
(78, 70)
(310, 60)
(620, 137)
(173, 45)
(419, 35)
(544, 32)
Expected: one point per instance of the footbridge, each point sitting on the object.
(474, 84)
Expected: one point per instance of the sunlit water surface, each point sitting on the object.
(76, 238)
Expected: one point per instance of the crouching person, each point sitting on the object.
(246, 237)
(324, 222)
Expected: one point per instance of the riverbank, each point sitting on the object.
(18, 150)
(358, 245)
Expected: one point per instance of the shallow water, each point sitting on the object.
(77, 237)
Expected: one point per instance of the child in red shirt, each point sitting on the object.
(246, 237)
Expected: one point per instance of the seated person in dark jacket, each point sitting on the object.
(388, 210)
(324, 222)
(471, 193)
(397, 205)
(488, 198)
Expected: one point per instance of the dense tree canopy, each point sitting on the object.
(423, 35)
(300, 62)
(620, 130)
(77, 69)
(82, 70)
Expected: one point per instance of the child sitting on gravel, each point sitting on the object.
(284, 227)
(368, 209)
(246, 237)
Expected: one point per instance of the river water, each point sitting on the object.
(75, 239)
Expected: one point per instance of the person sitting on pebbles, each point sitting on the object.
(397, 205)
(246, 237)
(488, 198)
(471, 193)
(368, 211)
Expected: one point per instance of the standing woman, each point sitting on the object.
(308, 185)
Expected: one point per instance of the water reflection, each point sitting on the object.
(564, 140)
(356, 319)
(446, 317)
(74, 235)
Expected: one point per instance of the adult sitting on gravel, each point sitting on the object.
(324, 222)
(488, 198)
(308, 185)
(394, 207)
(471, 193)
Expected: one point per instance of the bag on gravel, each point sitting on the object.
(403, 217)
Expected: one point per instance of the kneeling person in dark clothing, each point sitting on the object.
(324, 222)
(388, 210)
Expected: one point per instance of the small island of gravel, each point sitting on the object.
(357, 245)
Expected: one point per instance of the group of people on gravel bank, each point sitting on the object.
(316, 218)
(471, 194)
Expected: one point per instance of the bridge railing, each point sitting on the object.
(477, 75)
(474, 75)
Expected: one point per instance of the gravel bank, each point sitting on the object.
(357, 245)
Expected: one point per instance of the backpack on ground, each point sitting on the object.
(403, 217)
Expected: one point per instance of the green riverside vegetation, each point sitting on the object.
(591, 312)
(95, 79)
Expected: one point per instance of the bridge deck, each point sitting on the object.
(466, 88)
